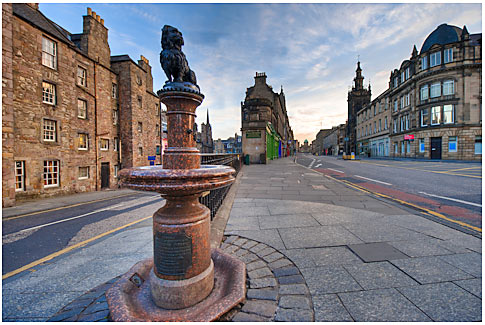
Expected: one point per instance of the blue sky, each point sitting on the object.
(309, 49)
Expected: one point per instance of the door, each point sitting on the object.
(436, 148)
(104, 175)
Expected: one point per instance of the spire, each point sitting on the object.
(415, 52)
(358, 80)
(207, 117)
(464, 33)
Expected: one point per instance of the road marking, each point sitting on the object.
(452, 199)
(311, 164)
(64, 207)
(372, 180)
(318, 165)
(427, 211)
(336, 170)
(67, 249)
(453, 170)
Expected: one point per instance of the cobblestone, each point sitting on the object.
(284, 271)
(255, 265)
(291, 279)
(266, 251)
(293, 315)
(280, 263)
(262, 308)
(273, 257)
(260, 273)
(262, 283)
(240, 241)
(249, 244)
(300, 302)
(245, 317)
(263, 294)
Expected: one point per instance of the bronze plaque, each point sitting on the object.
(253, 134)
(172, 253)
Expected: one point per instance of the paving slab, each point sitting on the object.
(317, 237)
(383, 305)
(445, 302)
(430, 270)
(267, 236)
(325, 256)
(474, 286)
(471, 263)
(287, 221)
(328, 308)
(375, 252)
(420, 248)
(329, 279)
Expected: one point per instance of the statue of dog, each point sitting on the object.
(172, 59)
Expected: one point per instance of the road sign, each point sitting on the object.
(152, 157)
(409, 137)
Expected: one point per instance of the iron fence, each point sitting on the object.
(213, 200)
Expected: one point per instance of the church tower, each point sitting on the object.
(356, 99)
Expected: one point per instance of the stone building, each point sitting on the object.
(318, 149)
(205, 141)
(332, 142)
(434, 101)
(356, 99)
(73, 115)
(305, 147)
(266, 131)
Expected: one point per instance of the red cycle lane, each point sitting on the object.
(458, 215)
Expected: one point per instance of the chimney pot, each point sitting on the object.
(98, 18)
(89, 11)
(93, 14)
(102, 21)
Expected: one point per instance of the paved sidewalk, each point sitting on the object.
(314, 250)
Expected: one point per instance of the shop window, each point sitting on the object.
(408, 146)
(452, 144)
(478, 145)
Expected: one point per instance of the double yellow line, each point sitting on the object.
(68, 249)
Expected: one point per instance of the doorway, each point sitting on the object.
(436, 148)
(104, 175)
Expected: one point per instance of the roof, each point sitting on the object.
(36, 18)
(443, 34)
(120, 58)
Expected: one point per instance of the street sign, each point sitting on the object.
(152, 157)
(409, 137)
(346, 139)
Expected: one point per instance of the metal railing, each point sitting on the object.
(214, 199)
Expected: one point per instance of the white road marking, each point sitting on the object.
(151, 198)
(311, 164)
(318, 165)
(452, 199)
(336, 170)
(373, 180)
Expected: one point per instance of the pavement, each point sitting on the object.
(315, 250)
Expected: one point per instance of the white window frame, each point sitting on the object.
(424, 92)
(394, 125)
(82, 109)
(435, 110)
(49, 53)
(395, 82)
(406, 100)
(424, 63)
(19, 176)
(81, 175)
(80, 136)
(435, 90)
(81, 76)
(407, 73)
(450, 109)
(403, 76)
(395, 105)
(402, 102)
(49, 130)
(451, 140)
(448, 87)
(408, 146)
(114, 90)
(48, 93)
(435, 59)
(421, 145)
(448, 55)
(385, 123)
(116, 169)
(116, 144)
(115, 117)
(51, 173)
(103, 144)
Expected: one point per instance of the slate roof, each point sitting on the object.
(443, 34)
(37, 19)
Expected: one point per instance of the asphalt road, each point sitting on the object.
(29, 238)
(453, 189)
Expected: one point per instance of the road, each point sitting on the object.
(450, 189)
(34, 236)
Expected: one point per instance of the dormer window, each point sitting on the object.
(424, 63)
(448, 55)
(434, 59)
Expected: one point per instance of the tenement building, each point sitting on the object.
(72, 114)
(266, 131)
(433, 103)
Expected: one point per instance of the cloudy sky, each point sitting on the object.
(309, 49)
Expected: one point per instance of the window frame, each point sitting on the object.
(19, 177)
(451, 140)
(83, 108)
(424, 113)
(82, 76)
(86, 136)
(424, 90)
(424, 63)
(116, 145)
(115, 116)
(421, 145)
(435, 59)
(49, 59)
(435, 109)
(49, 91)
(103, 141)
(114, 90)
(47, 131)
(448, 55)
(435, 85)
(452, 112)
(55, 171)
(446, 86)
(86, 168)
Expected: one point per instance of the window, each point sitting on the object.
(434, 59)
(140, 101)
(478, 145)
(407, 100)
(424, 117)
(403, 147)
(157, 150)
(385, 123)
(158, 130)
(115, 117)
(83, 141)
(116, 168)
(375, 127)
(435, 115)
(374, 110)
(424, 92)
(395, 82)
(407, 73)
(81, 76)
(403, 76)
(448, 87)
(51, 173)
(164, 127)
(138, 80)
(402, 102)
(48, 93)
(114, 90)
(380, 125)
(424, 63)
(408, 146)
(103, 144)
(49, 53)
(452, 144)
(448, 55)
(115, 144)
(448, 114)
(395, 105)
(394, 125)
(140, 151)
(82, 109)
(140, 127)
(19, 176)
(50, 130)
(396, 148)
(83, 173)
(435, 90)
(402, 123)
(366, 130)
(406, 122)
(421, 145)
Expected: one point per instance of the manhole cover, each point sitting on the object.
(376, 252)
